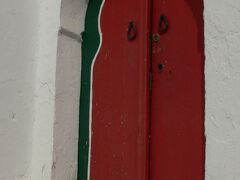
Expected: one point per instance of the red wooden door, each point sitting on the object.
(114, 105)
(119, 73)
(177, 111)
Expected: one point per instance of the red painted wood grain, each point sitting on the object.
(177, 112)
(120, 109)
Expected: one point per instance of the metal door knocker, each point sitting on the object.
(163, 24)
(132, 33)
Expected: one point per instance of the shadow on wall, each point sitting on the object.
(65, 155)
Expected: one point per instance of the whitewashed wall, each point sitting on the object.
(45, 89)
(39, 89)
(68, 91)
(19, 26)
(222, 74)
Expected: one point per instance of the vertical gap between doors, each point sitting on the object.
(150, 83)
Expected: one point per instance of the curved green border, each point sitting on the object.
(91, 42)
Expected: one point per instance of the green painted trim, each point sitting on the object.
(90, 46)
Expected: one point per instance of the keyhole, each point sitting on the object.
(160, 67)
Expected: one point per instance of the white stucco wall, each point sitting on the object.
(45, 90)
(39, 89)
(68, 91)
(222, 75)
(19, 27)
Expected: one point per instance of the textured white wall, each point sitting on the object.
(68, 91)
(39, 88)
(28, 54)
(19, 25)
(45, 90)
(222, 74)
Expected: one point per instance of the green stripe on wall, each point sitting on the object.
(90, 46)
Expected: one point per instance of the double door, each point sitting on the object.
(142, 91)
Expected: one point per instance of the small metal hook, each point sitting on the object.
(130, 28)
(164, 29)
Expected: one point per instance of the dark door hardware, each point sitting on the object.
(163, 24)
(132, 32)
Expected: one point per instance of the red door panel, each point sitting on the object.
(116, 87)
(177, 111)
(120, 107)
